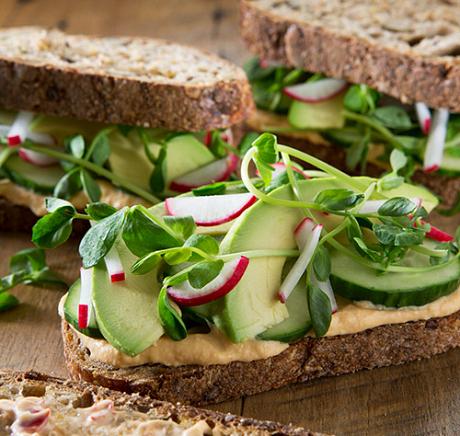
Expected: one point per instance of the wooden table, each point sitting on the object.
(415, 399)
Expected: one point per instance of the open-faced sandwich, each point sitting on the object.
(351, 81)
(119, 120)
(33, 403)
(244, 286)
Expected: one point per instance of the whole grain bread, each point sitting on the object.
(307, 359)
(120, 80)
(64, 396)
(409, 49)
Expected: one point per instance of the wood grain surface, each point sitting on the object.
(416, 399)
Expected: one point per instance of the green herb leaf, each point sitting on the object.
(205, 243)
(397, 206)
(146, 264)
(77, 146)
(394, 117)
(266, 155)
(398, 160)
(170, 318)
(7, 301)
(356, 153)
(90, 186)
(204, 272)
(68, 185)
(177, 256)
(282, 179)
(322, 263)
(365, 251)
(361, 99)
(218, 188)
(144, 234)
(388, 234)
(98, 211)
(338, 199)
(52, 204)
(320, 310)
(183, 227)
(157, 181)
(100, 238)
(390, 181)
(101, 148)
(246, 143)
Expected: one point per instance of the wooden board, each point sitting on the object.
(414, 399)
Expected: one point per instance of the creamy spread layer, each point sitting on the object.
(215, 348)
(36, 203)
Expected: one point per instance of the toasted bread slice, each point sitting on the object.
(408, 49)
(307, 359)
(79, 408)
(135, 81)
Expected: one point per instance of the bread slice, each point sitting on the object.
(409, 49)
(135, 81)
(305, 360)
(71, 405)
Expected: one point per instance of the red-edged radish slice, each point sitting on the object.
(40, 138)
(35, 158)
(85, 307)
(20, 128)
(280, 167)
(424, 117)
(114, 266)
(210, 210)
(326, 287)
(217, 171)
(226, 135)
(310, 237)
(231, 274)
(315, 92)
(370, 207)
(303, 232)
(438, 234)
(436, 139)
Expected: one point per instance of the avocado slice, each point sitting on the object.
(326, 114)
(126, 312)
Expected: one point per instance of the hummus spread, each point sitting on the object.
(36, 203)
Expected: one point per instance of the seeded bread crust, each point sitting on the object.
(107, 80)
(407, 49)
(308, 359)
(84, 395)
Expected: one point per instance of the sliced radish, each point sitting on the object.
(226, 135)
(308, 233)
(438, 234)
(210, 210)
(85, 307)
(35, 158)
(217, 171)
(231, 274)
(436, 139)
(20, 128)
(326, 287)
(371, 207)
(114, 266)
(424, 117)
(280, 167)
(40, 138)
(303, 232)
(314, 92)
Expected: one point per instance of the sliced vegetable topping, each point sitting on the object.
(436, 140)
(314, 92)
(85, 306)
(114, 266)
(424, 117)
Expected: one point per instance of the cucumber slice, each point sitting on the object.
(39, 179)
(71, 312)
(298, 323)
(357, 282)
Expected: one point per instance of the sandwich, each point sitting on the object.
(351, 81)
(287, 275)
(119, 120)
(34, 403)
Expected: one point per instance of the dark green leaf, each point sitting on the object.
(90, 186)
(388, 234)
(69, 184)
(77, 146)
(100, 238)
(204, 272)
(246, 142)
(394, 117)
(338, 199)
(266, 155)
(124, 129)
(144, 234)
(98, 211)
(356, 153)
(157, 181)
(52, 204)
(53, 229)
(170, 318)
(361, 99)
(218, 188)
(101, 148)
(320, 310)
(365, 251)
(146, 264)
(7, 301)
(397, 206)
(322, 264)
(205, 243)
(28, 260)
(183, 227)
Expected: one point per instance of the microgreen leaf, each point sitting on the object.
(365, 251)
(100, 148)
(182, 226)
(100, 238)
(143, 233)
(177, 256)
(157, 181)
(356, 153)
(98, 211)
(217, 188)
(394, 117)
(170, 318)
(53, 203)
(322, 263)
(282, 179)
(77, 146)
(398, 160)
(204, 272)
(320, 310)
(338, 199)
(205, 243)
(146, 264)
(90, 186)
(397, 206)
(266, 155)
(361, 99)
(7, 301)
(246, 143)
(388, 234)
(68, 185)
